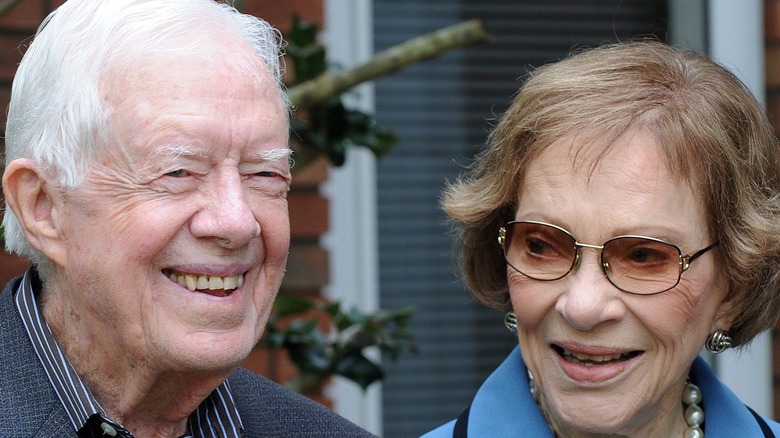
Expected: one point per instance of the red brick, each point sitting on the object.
(274, 364)
(28, 14)
(25, 15)
(11, 266)
(5, 97)
(772, 20)
(311, 175)
(308, 215)
(279, 13)
(776, 374)
(11, 48)
(773, 109)
(307, 267)
(772, 67)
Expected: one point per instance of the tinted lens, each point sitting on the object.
(641, 265)
(539, 251)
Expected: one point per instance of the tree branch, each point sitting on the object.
(312, 92)
(6, 5)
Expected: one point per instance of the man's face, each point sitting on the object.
(177, 243)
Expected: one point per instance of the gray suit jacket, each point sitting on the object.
(30, 408)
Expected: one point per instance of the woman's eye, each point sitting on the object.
(536, 246)
(647, 255)
(179, 173)
(540, 248)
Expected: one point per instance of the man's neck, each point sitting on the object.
(145, 400)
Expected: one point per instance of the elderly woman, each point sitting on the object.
(625, 214)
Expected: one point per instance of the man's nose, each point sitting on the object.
(227, 214)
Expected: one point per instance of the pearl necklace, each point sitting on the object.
(694, 414)
(691, 397)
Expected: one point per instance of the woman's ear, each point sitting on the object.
(725, 314)
(32, 195)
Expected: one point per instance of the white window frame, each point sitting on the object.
(351, 190)
(736, 40)
(732, 33)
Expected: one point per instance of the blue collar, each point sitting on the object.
(503, 405)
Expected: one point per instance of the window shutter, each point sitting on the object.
(442, 110)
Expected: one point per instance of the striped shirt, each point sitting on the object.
(216, 417)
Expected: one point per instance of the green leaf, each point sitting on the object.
(310, 359)
(308, 57)
(359, 369)
(302, 32)
(286, 305)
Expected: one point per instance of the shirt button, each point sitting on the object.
(108, 429)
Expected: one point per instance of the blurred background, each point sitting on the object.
(370, 234)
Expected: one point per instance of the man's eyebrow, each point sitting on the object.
(272, 154)
(176, 150)
(169, 152)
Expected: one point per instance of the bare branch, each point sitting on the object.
(312, 92)
(6, 5)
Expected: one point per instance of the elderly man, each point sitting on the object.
(147, 174)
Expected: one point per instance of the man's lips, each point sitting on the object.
(215, 285)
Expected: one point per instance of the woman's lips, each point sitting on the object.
(593, 365)
(593, 359)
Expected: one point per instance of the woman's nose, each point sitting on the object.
(589, 298)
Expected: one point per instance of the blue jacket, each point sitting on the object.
(503, 406)
(30, 408)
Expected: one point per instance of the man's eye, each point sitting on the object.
(267, 173)
(179, 173)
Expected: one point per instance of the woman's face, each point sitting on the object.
(607, 361)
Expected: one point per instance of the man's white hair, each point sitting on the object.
(57, 116)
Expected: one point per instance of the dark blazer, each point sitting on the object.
(30, 408)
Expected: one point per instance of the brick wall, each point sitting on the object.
(16, 26)
(307, 270)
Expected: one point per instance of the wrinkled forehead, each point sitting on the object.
(175, 81)
(189, 97)
(186, 60)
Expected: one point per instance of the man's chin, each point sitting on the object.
(211, 353)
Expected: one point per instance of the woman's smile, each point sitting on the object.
(593, 364)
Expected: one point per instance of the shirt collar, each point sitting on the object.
(217, 416)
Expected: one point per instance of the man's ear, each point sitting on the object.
(31, 194)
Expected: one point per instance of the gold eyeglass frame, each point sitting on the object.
(684, 261)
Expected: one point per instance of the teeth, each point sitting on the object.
(215, 283)
(202, 281)
(592, 358)
(190, 281)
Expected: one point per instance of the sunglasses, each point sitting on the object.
(634, 264)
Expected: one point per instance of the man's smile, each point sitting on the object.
(205, 283)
